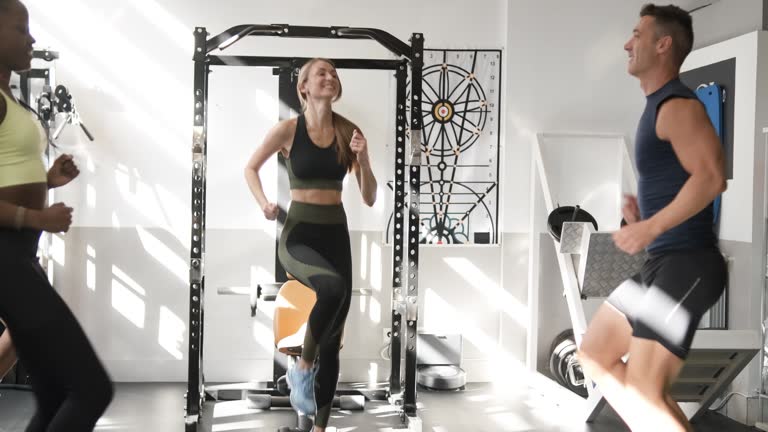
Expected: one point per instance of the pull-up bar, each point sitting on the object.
(295, 62)
(235, 34)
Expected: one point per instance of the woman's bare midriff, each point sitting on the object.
(31, 195)
(316, 196)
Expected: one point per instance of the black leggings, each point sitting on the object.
(314, 249)
(70, 384)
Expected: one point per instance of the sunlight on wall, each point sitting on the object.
(605, 199)
(163, 254)
(139, 195)
(161, 207)
(174, 140)
(90, 268)
(176, 214)
(267, 105)
(380, 206)
(175, 30)
(448, 319)
(263, 335)
(119, 55)
(374, 311)
(493, 294)
(171, 332)
(90, 165)
(115, 221)
(90, 196)
(363, 256)
(58, 249)
(363, 302)
(128, 280)
(376, 265)
(125, 300)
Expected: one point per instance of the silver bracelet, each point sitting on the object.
(19, 221)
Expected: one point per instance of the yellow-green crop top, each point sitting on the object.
(22, 141)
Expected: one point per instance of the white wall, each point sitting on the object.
(123, 266)
(565, 72)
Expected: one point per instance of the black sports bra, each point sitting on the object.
(310, 166)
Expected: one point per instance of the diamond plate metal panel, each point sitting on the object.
(607, 266)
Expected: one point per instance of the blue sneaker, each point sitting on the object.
(302, 384)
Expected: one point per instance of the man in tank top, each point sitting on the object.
(653, 316)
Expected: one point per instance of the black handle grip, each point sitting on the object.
(87, 132)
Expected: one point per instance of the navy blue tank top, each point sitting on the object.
(661, 176)
(310, 166)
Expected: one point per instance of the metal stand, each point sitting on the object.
(405, 278)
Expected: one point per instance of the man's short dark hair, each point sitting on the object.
(674, 22)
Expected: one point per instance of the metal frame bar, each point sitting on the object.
(294, 62)
(237, 33)
(414, 231)
(398, 275)
(404, 302)
(195, 379)
(289, 101)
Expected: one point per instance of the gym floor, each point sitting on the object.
(159, 407)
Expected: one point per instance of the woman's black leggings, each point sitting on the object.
(314, 249)
(70, 384)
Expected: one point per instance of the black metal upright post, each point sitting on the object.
(398, 274)
(414, 222)
(196, 379)
(289, 103)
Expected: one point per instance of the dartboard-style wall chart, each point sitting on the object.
(461, 100)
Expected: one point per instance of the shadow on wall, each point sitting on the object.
(131, 304)
(129, 289)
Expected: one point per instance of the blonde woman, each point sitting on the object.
(320, 147)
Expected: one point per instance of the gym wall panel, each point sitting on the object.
(736, 223)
